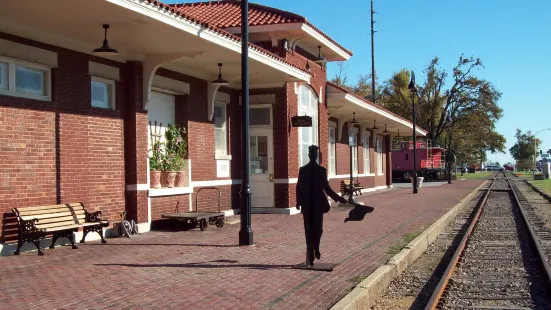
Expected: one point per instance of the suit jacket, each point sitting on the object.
(312, 187)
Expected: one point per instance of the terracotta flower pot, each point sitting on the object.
(155, 178)
(168, 178)
(180, 179)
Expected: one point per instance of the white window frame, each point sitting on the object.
(112, 104)
(332, 149)
(219, 153)
(312, 112)
(11, 89)
(379, 155)
(366, 157)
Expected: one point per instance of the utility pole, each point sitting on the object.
(372, 54)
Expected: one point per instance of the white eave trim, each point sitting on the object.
(326, 42)
(382, 112)
(179, 22)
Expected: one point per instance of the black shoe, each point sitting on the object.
(318, 255)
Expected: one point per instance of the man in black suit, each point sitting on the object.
(312, 187)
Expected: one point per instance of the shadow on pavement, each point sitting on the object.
(358, 213)
(229, 264)
(164, 244)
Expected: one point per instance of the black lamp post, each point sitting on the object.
(351, 142)
(246, 232)
(413, 90)
(449, 121)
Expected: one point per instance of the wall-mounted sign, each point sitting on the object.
(223, 168)
(301, 121)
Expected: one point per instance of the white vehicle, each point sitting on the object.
(493, 168)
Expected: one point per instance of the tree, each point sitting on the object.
(468, 94)
(525, 147)
(341, 78)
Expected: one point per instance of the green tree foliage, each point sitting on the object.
(525, 147)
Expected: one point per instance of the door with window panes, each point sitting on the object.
(262, 157)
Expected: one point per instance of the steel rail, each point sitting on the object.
(439, 291)
(534, 237)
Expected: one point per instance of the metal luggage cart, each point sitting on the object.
(203, 219)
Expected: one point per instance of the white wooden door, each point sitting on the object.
(262, 167)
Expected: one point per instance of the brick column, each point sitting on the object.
(135, 144)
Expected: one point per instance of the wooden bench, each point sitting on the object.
(60, 220)
(345, 187)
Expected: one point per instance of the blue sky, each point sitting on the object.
(512, 38)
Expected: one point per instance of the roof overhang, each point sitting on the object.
(342, 105)
(141, 30)
(301, 34)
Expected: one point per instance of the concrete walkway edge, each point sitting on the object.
(367, 292)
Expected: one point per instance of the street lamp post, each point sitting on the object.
(413, 90)
(246, 232)
(351, 143)
(536, 146)
(449, 121)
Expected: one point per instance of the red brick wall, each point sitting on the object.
(63, 150)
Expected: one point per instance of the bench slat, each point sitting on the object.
(58, 228)
(58, 224)
(75, 219)
(51, 215)
(47, 207)
(52, 211)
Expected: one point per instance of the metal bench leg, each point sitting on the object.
(36, 242)
(54, 239)
(71, 236)
(84, 233)
(19, 245)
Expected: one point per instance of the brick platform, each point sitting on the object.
(206, 270)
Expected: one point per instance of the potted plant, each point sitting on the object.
(176, 146)
(168, 171)
(155, 165)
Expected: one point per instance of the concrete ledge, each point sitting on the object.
(286, 211)
(365, 294)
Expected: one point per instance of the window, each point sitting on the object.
(332, 151)
(220, 129)
(103, 93)
(22, 79)
(379, 155)
(354, 143)
(367, 164)
(260, 116)
(308, 105)
(3, 75)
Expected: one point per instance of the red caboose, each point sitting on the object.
(431, 161)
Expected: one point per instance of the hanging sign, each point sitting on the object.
(301, 121)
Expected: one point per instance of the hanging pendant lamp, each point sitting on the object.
(219, 81)
(105, 50)
(398, 136)
(319, 59)
(374, 125)
(385, 130)
(353, 122)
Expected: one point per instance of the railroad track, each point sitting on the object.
(501, 262)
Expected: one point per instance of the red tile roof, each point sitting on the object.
(172, 9)
(227, 13)
(367, 102)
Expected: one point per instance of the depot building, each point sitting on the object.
(77, 124)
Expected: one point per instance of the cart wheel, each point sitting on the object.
(203, 224)
(220, 223)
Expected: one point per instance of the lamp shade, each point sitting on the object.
(105, 49)
(219, 81)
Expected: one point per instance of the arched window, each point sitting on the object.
(307, 105)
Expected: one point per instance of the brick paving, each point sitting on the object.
(207, 270)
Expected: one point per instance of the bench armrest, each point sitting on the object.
(28, 226)
(91, 217)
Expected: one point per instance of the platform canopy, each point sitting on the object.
(146, 31)
(342, 104)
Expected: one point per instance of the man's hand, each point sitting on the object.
(342, 200)
(298, 206)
